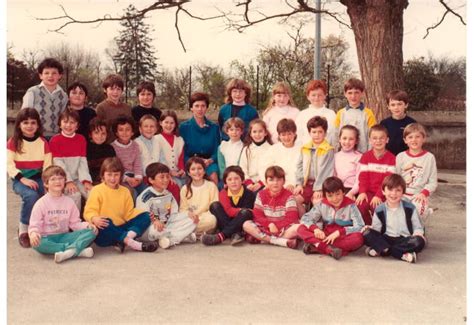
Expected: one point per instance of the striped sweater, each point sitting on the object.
(373, 170)
(35, 157)
(280, 209)
(129, 156)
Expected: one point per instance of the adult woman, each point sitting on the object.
(201, 136)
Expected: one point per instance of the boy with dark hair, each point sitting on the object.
(48, 98)
(97, 148)
(333, 225)
(396, 228)
(355, 113)
(397, 101)
(77, 93)
(146, 95)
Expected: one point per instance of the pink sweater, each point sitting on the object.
(129, 155)
(346, 168)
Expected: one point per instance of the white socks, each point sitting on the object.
(133, 244)
(131, 234)
(278, 241)
(164, 242)
(22, 228)
(87, 252)
(62, 256)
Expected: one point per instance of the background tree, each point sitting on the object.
(19, 79)
(172, 89)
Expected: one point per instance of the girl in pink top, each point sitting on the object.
(346, 161)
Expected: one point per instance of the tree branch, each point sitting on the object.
(448, 10)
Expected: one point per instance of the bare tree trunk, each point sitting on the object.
(379, 47)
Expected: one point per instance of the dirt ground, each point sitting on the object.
(248, 284)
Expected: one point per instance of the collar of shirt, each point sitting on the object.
(236, 197)
(361, 107)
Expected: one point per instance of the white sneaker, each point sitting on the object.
(369, 251)
(409, 257)
(87, 252)
(164, 242)
(191, 238)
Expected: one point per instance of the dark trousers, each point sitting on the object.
(113, 234)
(226, 224)
(397, 246)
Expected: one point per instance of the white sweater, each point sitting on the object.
(286, 158)
(252, 161)
(305, 115)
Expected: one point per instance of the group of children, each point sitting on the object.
(280, 177)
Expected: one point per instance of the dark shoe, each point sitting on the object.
(24, 240)
(292, 243)
(119, 247)
(335, 252)
(252, 240)
(210, 240)
(309, 249)
(149, 246)
(236, 239)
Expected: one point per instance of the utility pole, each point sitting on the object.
(317, 43)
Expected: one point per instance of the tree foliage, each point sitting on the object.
(19, 78)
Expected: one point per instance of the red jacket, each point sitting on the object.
(280, 209)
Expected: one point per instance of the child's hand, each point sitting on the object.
(317, 196)
(319, 234)
(375, 201)
(180, 173)
(332, 237)
(361, 198)
(207, 162)
(193, 217)
(252, 187)
(94, 228)
(70, 188)
(298, 190)
(159, 226)
(420, 197)
(35, 239)
(366, 227)
(290, 188)
(100, 222)
(273, 229)
(30, 183)
(351, 196)
(88, 186)
(134, 182)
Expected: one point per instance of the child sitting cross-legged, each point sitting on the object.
(275, 213)
(333, 225)
(169, 226)
(52, 217)
(396, 228)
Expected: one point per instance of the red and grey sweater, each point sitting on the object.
(373, 170)
(279, 209)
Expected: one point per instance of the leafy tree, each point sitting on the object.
(421, 83)
(19, 78)
(172, 90)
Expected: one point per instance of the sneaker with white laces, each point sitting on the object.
(369, 251)
(409, 257)
(164, 242)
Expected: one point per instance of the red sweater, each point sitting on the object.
(373, 171)
(280, 209)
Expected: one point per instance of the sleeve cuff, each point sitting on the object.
(19, 176)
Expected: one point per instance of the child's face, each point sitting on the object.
(124, 133)
(354, 96)
(199, 109)
(145, 98)
(238, 95)
(56, 184)
(287, 139)
(233, 182)
(393, 196)
(114, 93)
(317, 97)
(398, 108)
(50, 77)
(69, 126)
(348, 140)
(281, 99)
(112, 179)
(168, 125)
(275, 184)
(77, 97)
(234, 133)
(196, 172)
(317, 134)
(148, 128)
(99, 135)
(160, 182)
(335, 198)
(258, 133)
(29, 127)
(378, 140)
(415, 141)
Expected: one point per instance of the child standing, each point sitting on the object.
(355, 113)
(375, 165)
(228, 152)
(69, 152)
(150, 151)
(233, 208)
(172, 146)
(275, 213)
(52, 217)
(238, 93)
(197, 195)
(280, 106)
(396, 228)
(333, 225)
(110, 209)
(253, 157)
(48, 98)
(28, 155)
(97, 148)
(418, 169)
(77, 102)
(169, 226)
(346, 161)
(316, 93)
(146, 95)
(315, 163)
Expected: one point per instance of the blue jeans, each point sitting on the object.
(113, 234)
(28, 197)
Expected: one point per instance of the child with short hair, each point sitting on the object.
(228, 152)
(28, 155)
(275, 213)
(97, 148)
(397, 101)
(418, 168)
(77, 93)
(233, 208)
(110, 209)
(128, 152)
(356, 113)
(172, 146)
(52, 217)
(333, 225)
(315, 163)
(375, 165)
(169, 226)
(396, 228)
(238, 94)
(146, 94)
(316, 93)
(197, 196)
(253, 156)
(281, 105)
(69, 152)
(48, 98)
(148, 144)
